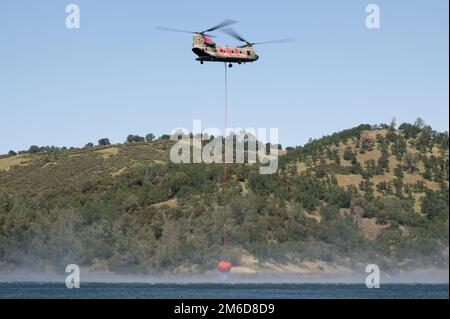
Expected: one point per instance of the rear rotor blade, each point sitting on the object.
(275, 41)
(220, 25)
(232, 33)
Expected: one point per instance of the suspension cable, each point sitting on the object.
(225, 236)
(225, 128)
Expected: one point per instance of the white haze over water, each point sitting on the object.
(434, 276)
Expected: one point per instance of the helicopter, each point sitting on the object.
(208, 51)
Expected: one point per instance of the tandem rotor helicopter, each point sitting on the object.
(208, 51)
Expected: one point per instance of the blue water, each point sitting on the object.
(221, 291)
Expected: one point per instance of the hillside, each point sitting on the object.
(370, 194)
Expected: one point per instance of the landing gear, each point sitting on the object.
(230, 65)
(201, 62)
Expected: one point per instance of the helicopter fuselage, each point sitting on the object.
(207, 50)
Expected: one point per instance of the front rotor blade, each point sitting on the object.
(221, 25)
(209, 35)
(173, 30)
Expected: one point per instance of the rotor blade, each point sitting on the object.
(220, 25)
(275, 41)
(209, 35)
(232, 33)
(173, 30)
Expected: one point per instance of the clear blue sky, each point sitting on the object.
(117, 75)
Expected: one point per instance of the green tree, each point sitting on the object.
(410, 161)
(165, 137)
(398, 171)
(134, 138)
(149, 137)
(434, 205)
(330, 213)
(408, 130)
(383, 163)
(348, 154)
(103, 141)
(34, 149)
(370, 167)
(419, 123)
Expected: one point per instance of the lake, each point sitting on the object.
(97, 290)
